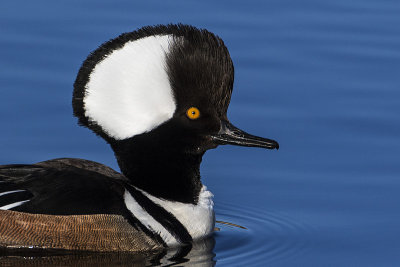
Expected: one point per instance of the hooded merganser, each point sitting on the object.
(159, 96)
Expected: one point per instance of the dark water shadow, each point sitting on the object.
(199, 254)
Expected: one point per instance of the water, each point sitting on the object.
(321, 77)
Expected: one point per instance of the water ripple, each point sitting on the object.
(270, 236)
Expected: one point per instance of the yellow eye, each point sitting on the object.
(193, 113)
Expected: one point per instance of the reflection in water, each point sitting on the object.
(199, 254)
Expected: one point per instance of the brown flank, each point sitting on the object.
(99, 232)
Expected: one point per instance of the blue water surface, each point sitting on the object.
(320, 77)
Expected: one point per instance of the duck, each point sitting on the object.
(159, 97)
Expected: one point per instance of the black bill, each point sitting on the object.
(229, 134)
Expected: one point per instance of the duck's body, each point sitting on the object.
(94, 208)
(68, 204)
(159, 97)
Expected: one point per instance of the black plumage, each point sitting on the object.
(66, 187)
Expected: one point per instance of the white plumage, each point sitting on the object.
(128, 92)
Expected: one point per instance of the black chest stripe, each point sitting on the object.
(139, 226)
(165, 218)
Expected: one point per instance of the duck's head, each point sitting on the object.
(169, 82)
(160, 94)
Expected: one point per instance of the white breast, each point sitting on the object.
(199, 220)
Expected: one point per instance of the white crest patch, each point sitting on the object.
(199, 220)
(128, 92)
